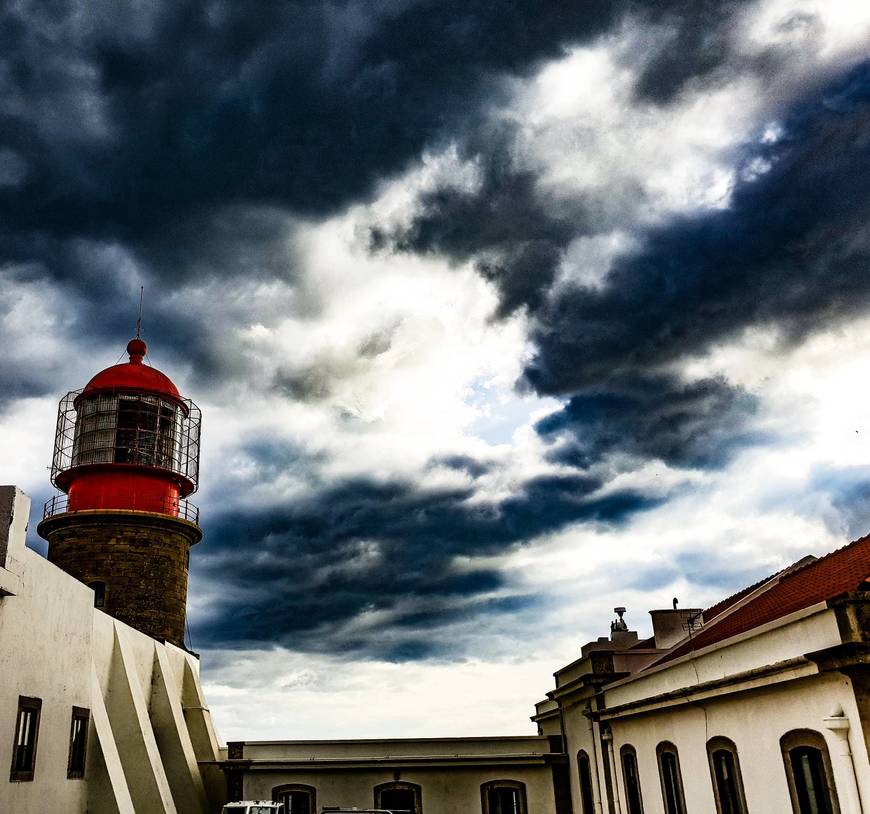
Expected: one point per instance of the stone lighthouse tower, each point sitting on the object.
(126, 457)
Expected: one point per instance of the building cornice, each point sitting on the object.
(421, 761)
(787, 670)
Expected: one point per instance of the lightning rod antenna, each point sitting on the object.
(139, 318)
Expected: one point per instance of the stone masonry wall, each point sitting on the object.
(141, 557)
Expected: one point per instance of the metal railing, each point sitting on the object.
(174, 507)
(127, 428)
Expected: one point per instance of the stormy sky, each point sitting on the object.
(499, 314)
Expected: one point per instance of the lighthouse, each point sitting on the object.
(126, 458)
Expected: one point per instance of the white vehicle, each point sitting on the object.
(253, 807)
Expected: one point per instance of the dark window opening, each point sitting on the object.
(809, 774)
(504, 801)
(296, 802)
(296, 799)
(24, 743)
(99, 589)
(631, 780)
(399, 797)
(672, 783)
(810, 780)
(78, 742)
(504, 797)
(727, 782)
(585, 775)
(398, 801)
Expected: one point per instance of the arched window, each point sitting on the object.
(808, 769)
(297, 798)
(631, 780)
(725, 775)
(399, 797)
(587, 801)
(503, 797)
(671, 779)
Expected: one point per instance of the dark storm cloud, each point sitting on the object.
(686, 42)
(178, 138)
(791, 252)
(362, 547)
(514, 237)
(291, 104)
(181, 136)
(464, 463)
(131, 122)
(698, 424)
(181, 141)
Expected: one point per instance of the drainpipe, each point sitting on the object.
(607, 736)
(596, 759)
(838, 724)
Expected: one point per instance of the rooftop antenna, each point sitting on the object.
(618, 624)
(139, 318)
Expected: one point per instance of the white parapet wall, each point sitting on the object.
(151, 745)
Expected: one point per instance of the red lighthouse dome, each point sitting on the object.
(128, 440)
(133, 376)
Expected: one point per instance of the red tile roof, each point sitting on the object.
(803, 584)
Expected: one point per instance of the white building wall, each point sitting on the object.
(448, 790)
(45, 652)
(151, 744)
(762, 687)
(450, 782)
(579, 735)
(755, 723)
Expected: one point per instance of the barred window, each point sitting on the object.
(504, 797)
(671, 779)
(808, 769)
(296, 798)
(726, 777)
(78, 742)
(631, 780)
(24, 742)
(585, 777)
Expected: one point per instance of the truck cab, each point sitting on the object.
(253, 807)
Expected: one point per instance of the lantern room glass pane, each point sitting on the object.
(94, 437)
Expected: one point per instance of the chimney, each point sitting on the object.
(672, 625)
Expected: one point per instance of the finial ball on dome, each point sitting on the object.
(137, 349)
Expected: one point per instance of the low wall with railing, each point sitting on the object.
(174, 507)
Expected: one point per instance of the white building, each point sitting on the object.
(508, 775)
(94, 715)
(758, 704)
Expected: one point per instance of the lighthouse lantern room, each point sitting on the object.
(128, 440)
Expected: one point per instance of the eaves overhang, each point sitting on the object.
(359, 763)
